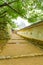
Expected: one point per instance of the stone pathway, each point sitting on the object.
(19, 51)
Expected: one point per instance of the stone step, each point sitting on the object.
(16, 36)
(17, 41)
(20, 49)
(23, 61)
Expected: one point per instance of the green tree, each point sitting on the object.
(11, 9)
(32, 10)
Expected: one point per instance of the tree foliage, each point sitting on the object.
(32, 10)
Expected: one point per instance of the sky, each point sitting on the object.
(21, 23)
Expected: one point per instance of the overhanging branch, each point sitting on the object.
(3, 12)
(16, 11)
(7, 3)
(3, 16)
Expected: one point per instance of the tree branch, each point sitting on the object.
(3, 16)
(3, 12)
(16, 11)
(7, 3)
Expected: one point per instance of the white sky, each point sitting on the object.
(21, 23)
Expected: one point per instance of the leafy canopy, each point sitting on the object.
(32, 10)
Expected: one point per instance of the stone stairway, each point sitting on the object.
(19, 51)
